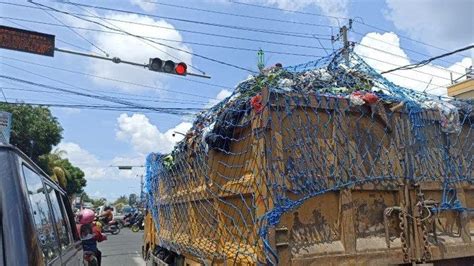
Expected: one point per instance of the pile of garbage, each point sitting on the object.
(214, 128)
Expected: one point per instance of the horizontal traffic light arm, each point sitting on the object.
(117, 60)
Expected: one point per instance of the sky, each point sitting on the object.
(218, 37)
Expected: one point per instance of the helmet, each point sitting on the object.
(86, 216)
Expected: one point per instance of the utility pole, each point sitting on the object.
(346, 44)
(141, 191)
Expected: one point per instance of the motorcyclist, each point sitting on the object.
(107, 215)
(89, 233)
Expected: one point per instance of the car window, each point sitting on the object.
(60, 220)
(41, 214)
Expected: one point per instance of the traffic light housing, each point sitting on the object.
(168, 66)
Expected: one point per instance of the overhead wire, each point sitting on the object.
(399, 56)
(219, 25)
(96, 76)
(169, 28)
(85, 49)
(398, 46)
(145, 42)
(162, 44)
(338, 18)
(88, 95)
(75, 32)
(150, 99)
(429, 60)
(171, 111)
(237, 15)
(405, 37)
(179, 41)
(287, 10)
(10, 20)
(418, 71)
(211, 45)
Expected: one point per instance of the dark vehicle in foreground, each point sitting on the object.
(36, 220)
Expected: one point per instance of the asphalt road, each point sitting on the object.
(122, 249)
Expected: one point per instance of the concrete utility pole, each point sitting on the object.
(346, 44)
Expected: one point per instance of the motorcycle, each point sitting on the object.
(130, 219)
(110, 227)
(90, 259)
(139, 223)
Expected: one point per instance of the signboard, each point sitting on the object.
(26, 41)
(5, 127)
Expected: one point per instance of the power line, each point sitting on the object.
(172, 111)
(404, 48)
(141, 99)
(178, 41)
(287, 10)
(75, 32)
(10, 20)
(145, 42)
(162, 27)
(337, 18)
(267, 31)
(96, 76)
(405, 37)
(419, 71)
(177, 49)
(429, 60)
(399, 56)
(116, 80)
(238, 15)
(103, 98)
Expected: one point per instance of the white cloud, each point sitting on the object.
(333, 8)
(146, 137)
(388, 55)
(219, 97)
(147, 6)
(97, 169)
(447, 24)
(133, 49)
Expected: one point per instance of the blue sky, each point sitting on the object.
(96, 139)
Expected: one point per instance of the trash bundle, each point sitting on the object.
(289, 135)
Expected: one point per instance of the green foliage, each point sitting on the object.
(122, 199)
(119, 207)
(34, 129)
(75, 181)
(99, 202)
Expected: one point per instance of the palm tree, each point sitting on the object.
(53, 163)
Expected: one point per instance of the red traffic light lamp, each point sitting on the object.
(170, 67)
(181, 69)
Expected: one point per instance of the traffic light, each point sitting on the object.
(170, 67)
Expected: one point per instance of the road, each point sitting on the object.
(122, 249)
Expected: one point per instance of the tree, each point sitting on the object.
(122, 199)
(99, 202)
(61, 169)
(34, 129)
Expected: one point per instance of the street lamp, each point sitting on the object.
(130, 167)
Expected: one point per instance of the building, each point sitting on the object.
(463, 89)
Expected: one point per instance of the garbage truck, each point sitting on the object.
(325, 163)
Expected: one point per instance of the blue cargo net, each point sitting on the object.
(291, 134)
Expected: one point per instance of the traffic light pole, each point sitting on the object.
(119, 61)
